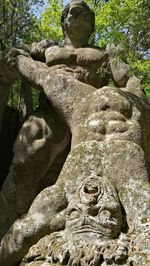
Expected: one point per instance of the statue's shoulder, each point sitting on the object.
(91, 54)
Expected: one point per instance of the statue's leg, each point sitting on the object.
(46, 215)
(41, 139)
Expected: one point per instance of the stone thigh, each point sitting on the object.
(42, 138)
(46, 215)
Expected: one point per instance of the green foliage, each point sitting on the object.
(17, 21)
(142, 70)
(127, 23)
(15, 94)
(49, 24)
(35, 98)
(18, 24)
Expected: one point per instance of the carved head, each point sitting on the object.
(95, 209)
(93, 223)
(78, 23)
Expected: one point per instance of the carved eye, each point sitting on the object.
(110, 216)
(106, 213)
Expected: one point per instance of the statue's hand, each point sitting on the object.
(10, 58)
(37, 49)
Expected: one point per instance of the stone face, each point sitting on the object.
(97, 210)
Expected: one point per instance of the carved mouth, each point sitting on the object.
(91, 229)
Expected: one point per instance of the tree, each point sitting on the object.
(49, 23)
(18, 25)
(127, 23)
(17, 21)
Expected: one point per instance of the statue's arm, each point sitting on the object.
(35, 72)
(46, 215)
(19, 61)
(124, 78)
(120, 72)
(8, 58)
(32, 71)
(37, 49)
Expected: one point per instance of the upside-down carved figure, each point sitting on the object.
(98, 210)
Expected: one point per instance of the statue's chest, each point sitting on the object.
(90, 64)
(56, 55)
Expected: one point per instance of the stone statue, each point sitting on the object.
(97, 212)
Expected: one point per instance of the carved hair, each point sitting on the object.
(65, 13)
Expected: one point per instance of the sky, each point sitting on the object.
(66, 2)
(38, 13)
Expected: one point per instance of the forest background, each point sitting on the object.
(121, 22)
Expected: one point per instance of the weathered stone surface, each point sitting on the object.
(37, 50)
(41, 139)
(98, 210)
(120, 72)
(91, 164)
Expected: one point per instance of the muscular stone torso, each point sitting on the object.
(110, 116)
(90, 65)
